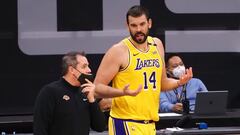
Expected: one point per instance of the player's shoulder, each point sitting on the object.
(157, 41)
(119, 47)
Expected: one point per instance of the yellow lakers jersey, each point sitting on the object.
(144, 68)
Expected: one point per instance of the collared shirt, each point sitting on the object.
(169, 98)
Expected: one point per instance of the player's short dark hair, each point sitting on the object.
(137, 11)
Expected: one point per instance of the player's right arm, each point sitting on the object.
(115, 59)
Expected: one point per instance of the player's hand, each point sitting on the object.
(89, 90)
(186, 77)
(129, 92)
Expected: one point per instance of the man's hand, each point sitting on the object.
(178, 107)
(186, 77)
(89, 90)
(129, 92)
(105, 104)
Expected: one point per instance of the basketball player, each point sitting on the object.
(137, 60)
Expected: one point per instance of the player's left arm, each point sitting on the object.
(170, 83)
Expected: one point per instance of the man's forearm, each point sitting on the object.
(105, 91)
(169, 84)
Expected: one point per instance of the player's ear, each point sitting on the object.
(149, 23)
(126, 24)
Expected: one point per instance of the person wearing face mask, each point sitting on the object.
(68, 106)
(172, 101)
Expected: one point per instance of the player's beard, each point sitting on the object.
(139, 40)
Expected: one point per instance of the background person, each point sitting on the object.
(171, 101)
(63, 108)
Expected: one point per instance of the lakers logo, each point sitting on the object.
(66, 97)
(147, 63)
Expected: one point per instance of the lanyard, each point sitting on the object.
(178, 95)
(181, 95)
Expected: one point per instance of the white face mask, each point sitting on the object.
(178, 71)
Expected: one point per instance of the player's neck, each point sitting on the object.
(142, 47)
